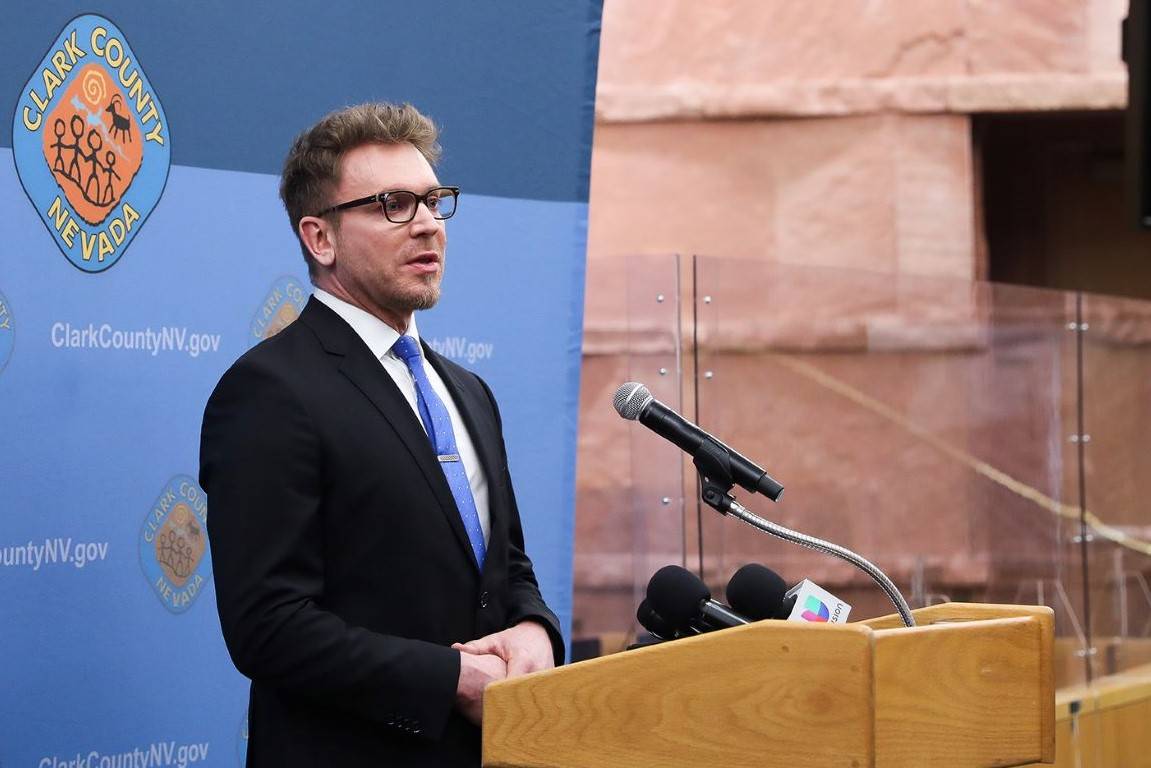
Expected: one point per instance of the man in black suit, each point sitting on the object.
(368, 556)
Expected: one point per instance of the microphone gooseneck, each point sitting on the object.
(633, 401)
(819, 545)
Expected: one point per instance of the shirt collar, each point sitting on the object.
(378, 335)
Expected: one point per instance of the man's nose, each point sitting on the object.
(424, 218)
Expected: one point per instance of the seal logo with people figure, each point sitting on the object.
(174, 544)
(283, 304)
(91, 143)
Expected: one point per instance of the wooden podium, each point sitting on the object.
(971, 686)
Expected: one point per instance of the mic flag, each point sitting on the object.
(814, 603)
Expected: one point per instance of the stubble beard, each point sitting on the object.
(427, 298)
(416, 298)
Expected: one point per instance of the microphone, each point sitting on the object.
(758, 592)
(685, 602)
(634, 401)
(657, 625)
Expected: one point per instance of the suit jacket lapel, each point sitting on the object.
(367, 374)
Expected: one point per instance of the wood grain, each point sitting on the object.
(771, 693)
(971, 687)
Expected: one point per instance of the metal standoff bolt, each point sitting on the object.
(706, 299)
(1080, 438)
(659, 298)
(665, 500)
(708, 374)
(663, 371)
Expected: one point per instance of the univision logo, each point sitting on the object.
(814, 609)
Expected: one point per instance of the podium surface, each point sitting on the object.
(971, 686)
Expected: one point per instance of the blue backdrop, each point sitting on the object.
(113, 335)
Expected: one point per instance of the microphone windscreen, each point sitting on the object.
(757, 592)
(630, 400)
(675, 594)
(653, 622)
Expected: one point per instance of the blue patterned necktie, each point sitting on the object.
(439, 428)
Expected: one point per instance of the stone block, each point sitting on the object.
(1048, 36)
(753, 41)
(880, 192)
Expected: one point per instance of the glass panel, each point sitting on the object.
(1116, 338)
(629, 513)
(921, 422)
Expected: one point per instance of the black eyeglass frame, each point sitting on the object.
(380, 197)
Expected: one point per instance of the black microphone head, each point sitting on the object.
(653, 622)
(756, 591)
(630, 400)
(675, 594)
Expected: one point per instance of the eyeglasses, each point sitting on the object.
(399, 206)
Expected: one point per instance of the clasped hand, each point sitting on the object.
(512, 652)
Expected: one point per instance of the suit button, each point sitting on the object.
(483, 599)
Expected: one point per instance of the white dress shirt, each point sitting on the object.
(379, 336)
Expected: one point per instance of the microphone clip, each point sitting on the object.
(713, 463)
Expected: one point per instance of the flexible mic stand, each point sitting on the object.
(714, 466)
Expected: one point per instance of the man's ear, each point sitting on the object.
(316, 234)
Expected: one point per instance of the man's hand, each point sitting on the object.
(525, 648)
(476, 671)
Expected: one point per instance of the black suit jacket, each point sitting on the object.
(343, 571)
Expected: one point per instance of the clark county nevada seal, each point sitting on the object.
(174, 544)
(90, 141)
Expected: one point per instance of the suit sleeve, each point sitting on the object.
(262, 466)
(525, 601)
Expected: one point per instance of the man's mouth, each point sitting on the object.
(428, 261)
